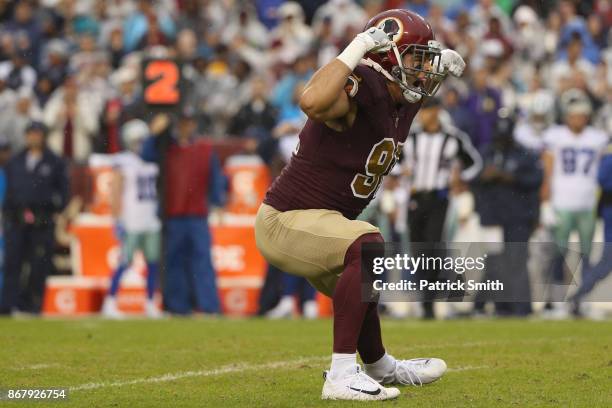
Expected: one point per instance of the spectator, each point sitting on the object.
(529, 35)
(291, 37)
(72, 122)
(573, 26)
(55, 65)
(563, 69)
(506, 194)
(257, 117)
(344, 15)
(18, 117)
(125, 104)
(137, 26)
(37, 190)
(461, 118)
(191, 181)
(483, 12)
(24, 25)
(18, 71)
(301, 71)
(483, 102)
(244, 27)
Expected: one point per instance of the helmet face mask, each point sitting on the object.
(419, 68)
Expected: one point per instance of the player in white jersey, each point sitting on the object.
(571, 159)
(134, 205)
(540, 115)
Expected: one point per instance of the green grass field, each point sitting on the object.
(258, 363)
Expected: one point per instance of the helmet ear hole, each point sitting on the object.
(396, 72)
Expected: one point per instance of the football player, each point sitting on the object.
(571, 159)
(134, 206)
(360, 107)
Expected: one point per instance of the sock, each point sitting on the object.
(349, 310)
(370, 344)
(290, 284)
(151, 279)
(341, 363)
(381, 368)
(114, 287)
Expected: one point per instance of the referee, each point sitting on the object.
(433, 153)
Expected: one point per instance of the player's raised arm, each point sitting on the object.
(324, 97)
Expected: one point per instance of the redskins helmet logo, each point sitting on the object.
(393, 27)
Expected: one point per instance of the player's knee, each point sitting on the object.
(353, 254)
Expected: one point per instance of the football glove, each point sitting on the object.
(375, 40)
(451, 61)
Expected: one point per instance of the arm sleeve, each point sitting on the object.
(469, 157)
(217, 182)
(150, 150)
(154, 145)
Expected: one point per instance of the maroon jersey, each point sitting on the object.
(341, 170)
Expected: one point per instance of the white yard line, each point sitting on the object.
(235, 368)
(36, 367)
(467, 368)
(228, 369)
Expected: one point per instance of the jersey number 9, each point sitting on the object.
(381, 160)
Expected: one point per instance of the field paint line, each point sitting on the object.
(233, 368)
(224, 370)
(41, 366)
(467, 368)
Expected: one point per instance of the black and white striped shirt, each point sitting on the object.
(430, 157)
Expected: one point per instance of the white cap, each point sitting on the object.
(542, 103)
(492, 48)
(290, 8)
(134, 131)
(576, 101)
(525, 15)
(123, 75)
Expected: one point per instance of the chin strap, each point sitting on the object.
(410, 95)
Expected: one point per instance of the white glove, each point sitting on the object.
(452, 62)
(372, 40)
(375, 40)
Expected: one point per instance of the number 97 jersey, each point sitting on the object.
(575, 164)
(139, 202)
(340, 167)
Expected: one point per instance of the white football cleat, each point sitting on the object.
(284, 309)
(417, 371)
(110, 310)
(152, 311)
(558, 311)
(310, 310)
(356, 386)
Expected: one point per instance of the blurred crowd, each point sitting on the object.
(74, 67)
